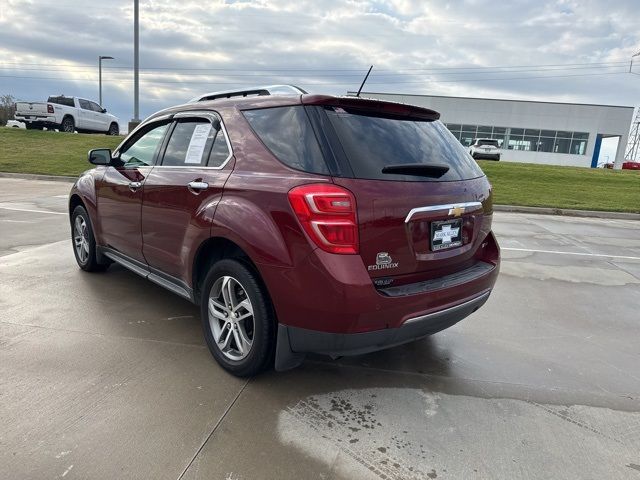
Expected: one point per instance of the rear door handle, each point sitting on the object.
(197, 187)
(133, 186)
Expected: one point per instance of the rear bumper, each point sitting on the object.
(294, 343)
(486, 156)
(37, 120)
(301, 340)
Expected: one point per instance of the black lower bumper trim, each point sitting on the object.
(294, 341)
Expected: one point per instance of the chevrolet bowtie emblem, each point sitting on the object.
(456, 211)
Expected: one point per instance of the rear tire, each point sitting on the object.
(113, 129)
(68, 125)
(241, 338)
(84, 242)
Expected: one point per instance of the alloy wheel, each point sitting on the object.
(81, 239)
(231, 318)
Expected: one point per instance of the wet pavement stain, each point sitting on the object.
(389, 444)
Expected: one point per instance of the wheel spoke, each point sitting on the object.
(225, 291)
(240, 346)
(244, 305)
(244, 338)
(217, 310)
(226, 333)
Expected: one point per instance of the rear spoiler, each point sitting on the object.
(373, 106)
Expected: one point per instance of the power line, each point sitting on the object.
(214, 82)
(355, 75)
(296, 69)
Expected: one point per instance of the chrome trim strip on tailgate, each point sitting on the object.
(450, 208)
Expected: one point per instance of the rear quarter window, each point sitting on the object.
(287, 133)
(61, 101)
(373, 142)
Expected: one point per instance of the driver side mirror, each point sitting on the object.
(104, 110)
(100, 156)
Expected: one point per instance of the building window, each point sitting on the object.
(524, 139)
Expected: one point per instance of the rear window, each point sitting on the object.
(287, 133)
(493, 143)
(68, 101)
(374, 142)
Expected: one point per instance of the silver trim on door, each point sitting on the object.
(451, 209)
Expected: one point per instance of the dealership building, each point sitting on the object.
(528, 131)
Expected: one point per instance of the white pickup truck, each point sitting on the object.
(67, 114)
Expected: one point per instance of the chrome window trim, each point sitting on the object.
(472, 206)
(140, 126)
(211, 116)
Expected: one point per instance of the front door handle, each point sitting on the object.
(197, 187)
(133, 186)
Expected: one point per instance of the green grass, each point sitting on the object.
(563, 187)
(52, 153)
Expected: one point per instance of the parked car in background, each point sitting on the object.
(15, 124)
(485, 148)
(299, 223)
(631, 166)
(67, 114)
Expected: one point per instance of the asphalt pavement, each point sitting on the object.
(107, 376)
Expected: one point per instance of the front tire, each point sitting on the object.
(68, 125)
(84, 242)
(113, 129)
(237, 318)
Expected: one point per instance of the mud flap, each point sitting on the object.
(286, 359)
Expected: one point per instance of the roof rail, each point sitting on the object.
(253, 91)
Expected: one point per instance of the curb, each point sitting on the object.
(567, 212)
(496, 208)
(33, 176)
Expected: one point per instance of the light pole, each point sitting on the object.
(100, 58)
(136, 64)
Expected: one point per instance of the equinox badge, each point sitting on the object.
(383, 260)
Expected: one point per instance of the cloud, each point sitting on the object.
(322, 45)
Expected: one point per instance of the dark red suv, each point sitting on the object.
(299, 223)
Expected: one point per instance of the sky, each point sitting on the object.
(554, 50)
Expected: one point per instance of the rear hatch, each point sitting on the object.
(423, 204)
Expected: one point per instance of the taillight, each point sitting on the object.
(49, 108)
(328, 215)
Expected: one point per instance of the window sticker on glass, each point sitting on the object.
(197, 143)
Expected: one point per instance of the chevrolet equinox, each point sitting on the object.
(299, 223)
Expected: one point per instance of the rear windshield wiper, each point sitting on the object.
(422, 169)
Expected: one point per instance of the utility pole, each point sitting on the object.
(100, 58)
(136, 65)
(633, 144)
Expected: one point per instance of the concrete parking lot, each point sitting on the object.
(107, 375)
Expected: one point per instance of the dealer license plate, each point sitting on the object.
(446, 234)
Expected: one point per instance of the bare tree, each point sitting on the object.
(7, 108)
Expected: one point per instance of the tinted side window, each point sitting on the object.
(287, 132)
(220, 151)
(374, 142)
(143, 150)
(84, 104)
(95, 107)
(190, 143)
